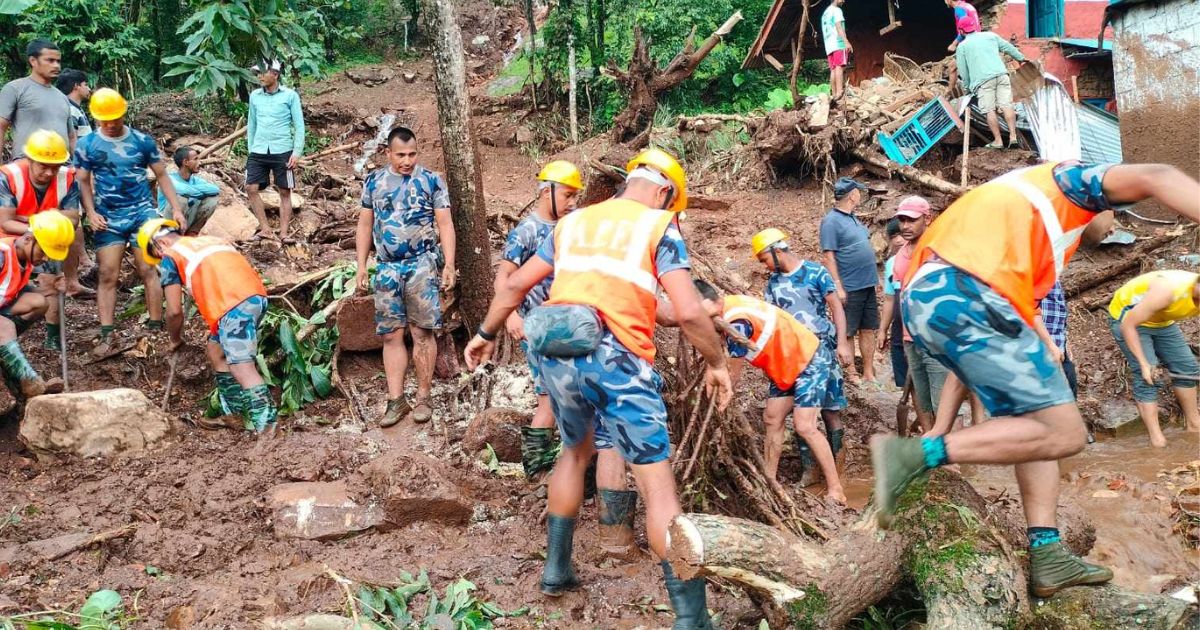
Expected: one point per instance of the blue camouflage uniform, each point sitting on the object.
(802, 294)
(522, 244)
(122, 188)
(237, 330)
(974, 331)
(613, 392)
(407, 278)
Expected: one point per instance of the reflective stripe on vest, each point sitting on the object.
(194, 258)
(21, 186)
(1060, 241)
(12, 277)
(628, 267)
(769, 321)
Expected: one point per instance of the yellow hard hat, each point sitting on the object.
(662, 162)
(147, 232)
(107, 104)
(46, 147)
(561, 172)
(53, 232)
(766, 238)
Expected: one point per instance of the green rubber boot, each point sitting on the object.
(897, 462)
(1053, 567)
(229, 392)
(53, 340)
(688, 599)
(20, 377)
(617, 509)
(810, 472)
(558, 576)
(537, 450)
(260, 408)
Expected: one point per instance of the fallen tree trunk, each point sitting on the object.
(1076, 284)
(206, 151)
(954, 546)
(916, 176)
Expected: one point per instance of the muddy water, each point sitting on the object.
(1120, 484)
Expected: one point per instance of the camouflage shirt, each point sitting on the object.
(403, 206)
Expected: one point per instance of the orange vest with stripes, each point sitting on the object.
(21, 186)
(218, 277)
(604, 258)
(12, 277)
(1015, 233)
(783, 346)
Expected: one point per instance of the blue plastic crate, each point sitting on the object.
(929, 125)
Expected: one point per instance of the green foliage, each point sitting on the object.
(305, 372)
(456, 607)
(103, 610)
(807, 611)
(94, 35)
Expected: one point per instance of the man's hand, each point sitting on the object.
(515, 324)
(849, 48)
(882, 344)
(845, 354)
(1148, 373)
(718, 385)
(841, 294)
(60, 285)
(1057, 353)
(181, 219)
(479, 351)
(361, 282)
(449, 276)
(99, 223)
(293, 160)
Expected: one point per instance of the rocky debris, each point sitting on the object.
(370, 77)
(232, 221)
(318, 622)
(523, 135)
(318, 511)
(411, 488)
(409, 77)
(93, 424)
(499, 427)
(481, 41)
(1118, 417)
(270, 199)
(356, 325)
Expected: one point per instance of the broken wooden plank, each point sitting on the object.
(774, 62)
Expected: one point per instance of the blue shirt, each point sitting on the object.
(850, 242)
(737, 350)
(118, 167)
(403, 206)
(276, 122)
(522, 243)
(891, 286)
(802, 294)
(195, 187)
(168, 273)
(1083, 184)
(1054, 314)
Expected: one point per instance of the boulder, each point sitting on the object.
(270, 199)
(231, 221)
(1118, 418)
(411, 488)
(318, 511)
(499, 427)
(91, 424)
(356, 325)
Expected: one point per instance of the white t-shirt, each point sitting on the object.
(829, 21)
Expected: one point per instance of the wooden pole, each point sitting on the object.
(571, 88)
(222, 142)
(966, 142)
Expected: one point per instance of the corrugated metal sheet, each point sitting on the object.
(1083, 42)
(1099, 135)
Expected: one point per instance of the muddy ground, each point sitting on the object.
(205, 555)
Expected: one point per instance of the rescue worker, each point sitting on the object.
(49, 237)
(232, 300)
(969, 300)
(116, 195)
(806, 291)
(405, 217)
(795, 360)
(1143, 313)
(595, 346)
(38, 182)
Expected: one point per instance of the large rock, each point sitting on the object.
(356, 325)
(499, 427)
(270, 199)
(1118, 418)
(231, 221)
(96, 423)
(318, 511)
(411, 488)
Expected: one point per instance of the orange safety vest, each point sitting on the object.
(783, 346)
(1016, 233)
(604, 258)
(217, 276)
(12, 277)
(21, 186)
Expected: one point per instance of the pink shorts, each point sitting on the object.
(837, 58)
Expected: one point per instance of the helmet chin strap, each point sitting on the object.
(554, 201)
(775, 258)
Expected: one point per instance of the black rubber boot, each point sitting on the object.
(617, 511)
(689, 600)
(835, 438)
(558, 576)
(810, 472)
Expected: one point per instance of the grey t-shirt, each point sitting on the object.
(30, 106)
(850, 243)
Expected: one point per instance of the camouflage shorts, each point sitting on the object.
(237, 331)
(820, 385)
(610, 392)
(534, 370)
(975, 332)
(406, 292)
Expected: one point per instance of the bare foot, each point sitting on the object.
(837, 494)
(1193, 428)
(1158, 441)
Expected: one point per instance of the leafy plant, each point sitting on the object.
(103, 610)
(304, 373)
(455, 608)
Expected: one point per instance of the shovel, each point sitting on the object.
(902, 407)
(62, 336)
